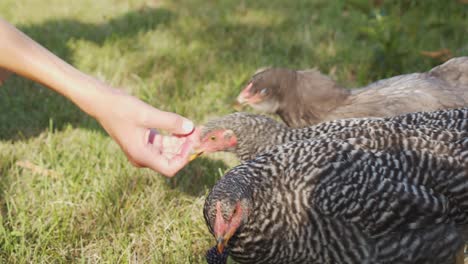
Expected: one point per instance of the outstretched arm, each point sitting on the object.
(126, 119)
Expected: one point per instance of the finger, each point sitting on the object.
(151, 135)
(172, 145)
(196, 135)
(168, 165)
(168, 121)
(134, 163)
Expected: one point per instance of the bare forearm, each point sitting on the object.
(22, 55)
(126, 119)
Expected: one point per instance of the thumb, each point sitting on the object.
(168, 121)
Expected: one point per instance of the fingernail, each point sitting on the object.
(187, 126)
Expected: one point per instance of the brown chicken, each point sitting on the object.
(303, 98)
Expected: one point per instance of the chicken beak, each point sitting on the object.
(238, 106)
(244, 95)
(240, 100)
(221, 244)
(195, 154)
(222, 240)
(223, 231)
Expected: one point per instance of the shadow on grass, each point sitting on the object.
(198, 176)
(196, 180)
(27, 108)
(54, 34)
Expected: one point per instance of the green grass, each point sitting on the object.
(67, 194)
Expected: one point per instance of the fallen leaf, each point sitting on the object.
(37, 169)
(442, 54)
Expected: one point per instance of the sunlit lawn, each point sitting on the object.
(67, 193)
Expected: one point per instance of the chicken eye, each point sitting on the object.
(264, 91)
(213, 138)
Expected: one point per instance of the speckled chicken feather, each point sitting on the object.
(337, 201)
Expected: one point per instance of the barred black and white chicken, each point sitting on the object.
(248, 135)
(390, 190)
(333, 200)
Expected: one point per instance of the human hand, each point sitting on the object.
(130, 123)
(124, 117)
